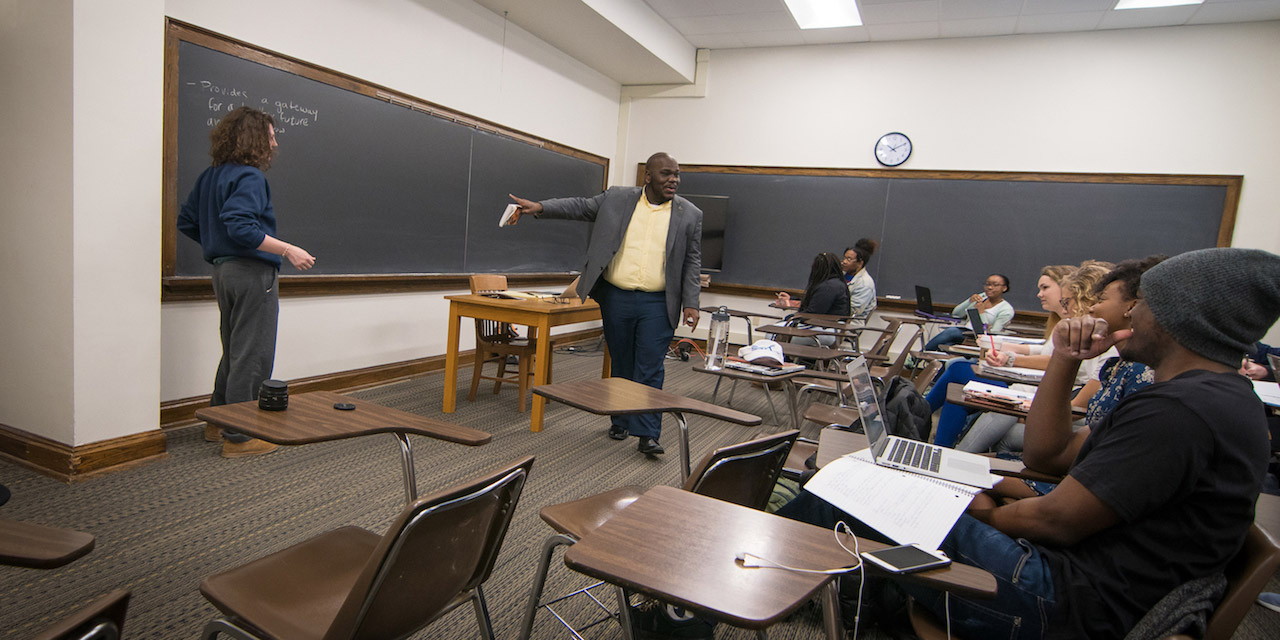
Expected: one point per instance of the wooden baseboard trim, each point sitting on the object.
(71, 464)
(181, 413)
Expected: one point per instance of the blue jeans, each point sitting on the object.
(946, 337)
(639, 334)
(1024, 593)
(953, 417)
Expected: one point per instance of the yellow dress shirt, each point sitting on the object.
(641, 261)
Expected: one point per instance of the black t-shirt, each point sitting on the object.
(831, 297)
(1181, 462)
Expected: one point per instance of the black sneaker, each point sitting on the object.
(653, 620)
(618, 433)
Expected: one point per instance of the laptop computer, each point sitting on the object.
(910, 455)
(924, 306)
(975, 321)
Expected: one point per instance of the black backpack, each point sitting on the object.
(906, 412)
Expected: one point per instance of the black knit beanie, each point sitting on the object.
(1215, 302)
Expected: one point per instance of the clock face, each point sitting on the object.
(893, 149)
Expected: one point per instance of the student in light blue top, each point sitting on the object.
(995, 310)
(862, 289)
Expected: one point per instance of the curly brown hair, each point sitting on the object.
(242, 137)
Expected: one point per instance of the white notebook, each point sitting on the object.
(905, 507)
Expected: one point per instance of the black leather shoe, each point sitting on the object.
(650, 446)
(618, 433)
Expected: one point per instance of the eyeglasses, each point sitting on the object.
(996, 283)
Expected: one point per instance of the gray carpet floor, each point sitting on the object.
(164, 526)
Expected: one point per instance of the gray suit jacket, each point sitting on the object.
(611, 212)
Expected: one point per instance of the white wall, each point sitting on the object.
(82, 149)
(36, 224)
(449, 52)
(1175, 100)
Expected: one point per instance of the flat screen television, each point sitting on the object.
(715, 210)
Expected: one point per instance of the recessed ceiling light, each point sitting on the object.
(824, 14)
(1153, 4)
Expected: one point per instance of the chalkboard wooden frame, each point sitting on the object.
(178, 287)
(1225, 222)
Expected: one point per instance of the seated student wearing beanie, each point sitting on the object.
(1159, 494)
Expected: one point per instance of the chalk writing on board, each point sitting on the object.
(223, 99)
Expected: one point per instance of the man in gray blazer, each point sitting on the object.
(642, 268)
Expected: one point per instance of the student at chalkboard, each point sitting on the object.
(229, 213)
(862, 289)
(826, 294)
(995, 310)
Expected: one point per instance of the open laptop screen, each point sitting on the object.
(864, 394)
(975, 321)
(924, 300)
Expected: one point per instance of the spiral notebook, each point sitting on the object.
(905, 507)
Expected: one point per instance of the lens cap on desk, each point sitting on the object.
(344, 406)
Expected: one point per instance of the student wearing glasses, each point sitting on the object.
(996, 312)
(862, 289)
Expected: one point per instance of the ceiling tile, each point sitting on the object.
(1138, 18)
(1055, 23)
(1035, 7)
(831, 36)
(979, 28)
(1239, 11)
(727, 7)
(969, 9)
(903, 31)
(682, 8)
(908, 11)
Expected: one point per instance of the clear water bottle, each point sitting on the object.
(718, 338)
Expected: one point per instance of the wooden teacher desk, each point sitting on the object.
(538, 315)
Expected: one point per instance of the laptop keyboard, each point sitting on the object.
(916, 454)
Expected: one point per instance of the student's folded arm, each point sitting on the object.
(1049, 445)
(1065, 516)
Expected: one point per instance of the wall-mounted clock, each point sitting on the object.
(893, 149)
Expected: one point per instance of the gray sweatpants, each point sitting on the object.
(248, 306)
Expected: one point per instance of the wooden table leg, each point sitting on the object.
(451, 360)
(541, 371)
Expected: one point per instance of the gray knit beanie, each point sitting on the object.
(1215, 302)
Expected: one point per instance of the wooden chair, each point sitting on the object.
(495, 341)
(351, 583)
(743, 474)
(1247, 575)
(102, 619)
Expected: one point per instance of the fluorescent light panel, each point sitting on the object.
(824, 14)
(1153, 4)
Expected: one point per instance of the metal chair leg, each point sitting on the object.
(831, 611)
(716, 391)
(224, 626)
(406, 462)
(482, 614)
(789, 388)
(540, 581)
(624, 613)
(769, 396)
(685, 469)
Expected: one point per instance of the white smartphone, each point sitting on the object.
(906, 559)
